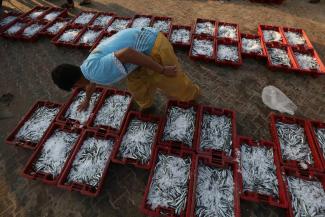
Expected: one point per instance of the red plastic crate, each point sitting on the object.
(226, 62)
(280, 67)
(28, 171)
(88, 46)
(70, 122)
(142, 117)
(257, 197)
(57, 20)
(227, 24)
(80, 187)
(86, 24)
(156, 18)
(144, 208)
(105, 94)
(317, 166)
(311, 176)
(100, 14)
(72, 43)
(180, 44)
(200, 20)
(12, 13)
(253, 55)
(103, 35)
(26, 15)
(312, 125)
(35, 36)
(310, 52)
(63, 13)
(208, 160)
(269, 27)
(301, 32)
(179, 145)
(202, 57)
(217, 155)
(26, 144)
(15, 35)
(129, 19)
(139, 16)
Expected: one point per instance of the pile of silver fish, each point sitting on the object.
(162, 25)
(89, 37)
(138, 140)
(251, 46)
(307, 197)
(118, 25)
(56, 27)
(102, 20)
(7, 20)
(55, 152)
(227, 31)
(271, 36)
(294, 38)
(228, 53)
(84, 18)
(169, 184)
(279, 56)
(15, 28)
(293, 142)
(214, 192)
(113, 111)
(73, 113)
(141, 22)
(180, 125)
(202, 48)
(216, 133)
(306, 61)
(89, 164)
(69, 35)
(181, 36)
(35, 127)
(51, 16)
(31, 30)
(258, 170)
(34, 15)
(205, 28)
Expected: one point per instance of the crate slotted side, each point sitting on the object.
(204, 109)
(27, 144)
(108, 92)
(209, 161)
(136, 163)
(144, 208)
(28, 171)
(80, 187)
(178, 144)
(280, 202)
(71, 122)
(274, 118)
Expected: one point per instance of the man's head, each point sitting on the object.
(67, 76)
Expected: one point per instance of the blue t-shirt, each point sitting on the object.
(102, 67)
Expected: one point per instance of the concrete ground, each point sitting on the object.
(25, 69)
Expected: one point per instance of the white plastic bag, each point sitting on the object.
(275, 99)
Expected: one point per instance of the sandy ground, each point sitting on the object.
(25, 68)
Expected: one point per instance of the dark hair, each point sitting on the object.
(66, 75)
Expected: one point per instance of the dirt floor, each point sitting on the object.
(25, 70)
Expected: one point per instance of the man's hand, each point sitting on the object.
(169, 71)
(83, 106)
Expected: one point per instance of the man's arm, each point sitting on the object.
(129, 55)
(90, 89)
